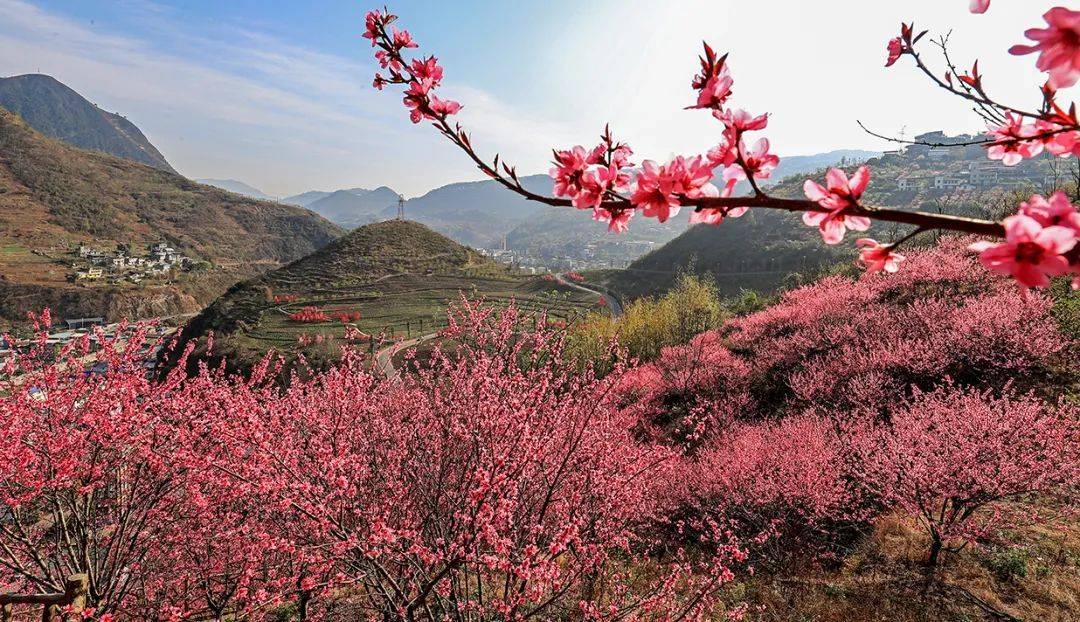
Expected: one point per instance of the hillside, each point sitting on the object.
(57, 111)
(356, 206)
(238, 187)
(65, 212)
(764, 249)
(399, 276)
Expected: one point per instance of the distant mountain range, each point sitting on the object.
(57, 111)
(238, 187)
(305, 199)
(800, 165)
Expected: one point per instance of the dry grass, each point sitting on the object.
(1030, 573)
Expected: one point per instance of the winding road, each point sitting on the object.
(612, 302)
(384, 357)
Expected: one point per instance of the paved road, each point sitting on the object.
(612, 302)
(384, 358)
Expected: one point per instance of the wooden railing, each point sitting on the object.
(73, 597)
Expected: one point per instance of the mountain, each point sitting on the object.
(238, 187)
(399, 276)
(305, 199)
(757, 251)
(355, 207)
(57, 111)
(55, 198)
(479, 213)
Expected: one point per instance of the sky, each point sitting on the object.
(278, 94)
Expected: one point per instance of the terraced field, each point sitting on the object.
(409, 305)
(396, 279)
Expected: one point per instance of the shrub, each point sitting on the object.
(478, 471)
(787, 485)
(309, 315)
(89, 473)
(691, 391)
(648, 325)
(853, 344)
(950, 453)
(1007, 564)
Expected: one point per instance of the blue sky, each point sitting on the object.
(277, 94)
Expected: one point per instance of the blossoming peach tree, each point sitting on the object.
(1038, 242)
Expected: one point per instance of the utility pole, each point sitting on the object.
(401, 207)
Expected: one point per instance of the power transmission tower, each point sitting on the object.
(401, 207)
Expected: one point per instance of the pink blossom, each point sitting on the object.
(715, 91)
(373, 20)
(979, 6)
(1053, 211)
(570, 165)
(440, 108)
(878, 257)
(722, 154)
(1058, 46)
(620, 156)
(596, 182)
(838, 198)
(402, 39)
(741, 121)
(1062, 143)
(1031, 253)
(388, 60)
(659, 188)
(428, 68)
(416, 97)
(895, 49)
(757, 160)
(1013, 141)
(714, 216)
(618, 221)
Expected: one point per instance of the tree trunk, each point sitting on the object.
(935, 550)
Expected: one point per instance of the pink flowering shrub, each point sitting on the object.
(793, 480)
(497, 481)
(309, 315)
(690, 390)
(948, 454)
(88, 474)
(862, 343)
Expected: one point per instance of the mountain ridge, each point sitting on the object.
(58, 111)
